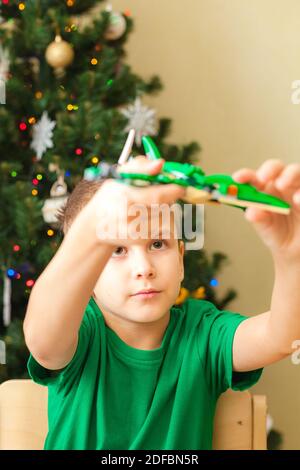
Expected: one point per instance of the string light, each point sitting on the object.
(16, 247)
(13, 173)
(109, 82)
(29, 283)
(35, 181)
(39, 177)
(22, 126)
(95, 160)
(72, 107)
(94, 61)
(11, 272)
(78, 151)
(32, 120)
(38, 95)
(50, 232)
(21, 6)
(214, 282)
(34, 192)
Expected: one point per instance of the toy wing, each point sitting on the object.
(216, 188)
(200, 188)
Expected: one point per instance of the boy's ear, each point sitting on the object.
(181, 254)
(181, 247)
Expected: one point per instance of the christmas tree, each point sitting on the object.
(68, 100)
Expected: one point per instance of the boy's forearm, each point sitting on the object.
(285, 305)
(60, 295)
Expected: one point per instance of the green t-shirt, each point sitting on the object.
(112, 396)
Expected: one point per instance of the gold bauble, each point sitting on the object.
(59, 53)
(199, 293)
(183, 294)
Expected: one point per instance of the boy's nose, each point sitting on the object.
(145, 273)
(143, 268)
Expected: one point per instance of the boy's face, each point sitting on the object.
(138, 265)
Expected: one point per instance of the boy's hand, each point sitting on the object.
(281, 233)
(152, 194)
(162, 193)
(108, 203)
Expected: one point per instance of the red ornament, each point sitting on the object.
(22, 126)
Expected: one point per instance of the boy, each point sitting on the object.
(130, 370)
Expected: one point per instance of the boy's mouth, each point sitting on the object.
(146, 293)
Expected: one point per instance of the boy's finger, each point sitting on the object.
(157, 194)
(246, 175)
(142, 164)
(289, 178)
(171, 192)
(258, 216)
(269, 170)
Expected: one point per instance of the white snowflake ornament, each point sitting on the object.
(140, 118)
(42, 135)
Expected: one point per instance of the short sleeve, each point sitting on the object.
(70, 373)
(215, 349)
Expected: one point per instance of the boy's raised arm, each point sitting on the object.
(60, 295)
(273, 335)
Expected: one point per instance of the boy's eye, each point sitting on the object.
(158, 243)
(118, 251)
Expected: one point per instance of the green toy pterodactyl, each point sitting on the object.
(200, 188)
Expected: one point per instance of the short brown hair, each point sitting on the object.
(79, 197)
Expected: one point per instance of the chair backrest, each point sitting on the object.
(240, 421)
(23, 415)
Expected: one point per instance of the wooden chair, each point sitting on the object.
(240, 421)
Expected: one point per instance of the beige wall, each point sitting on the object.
(227, 66)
